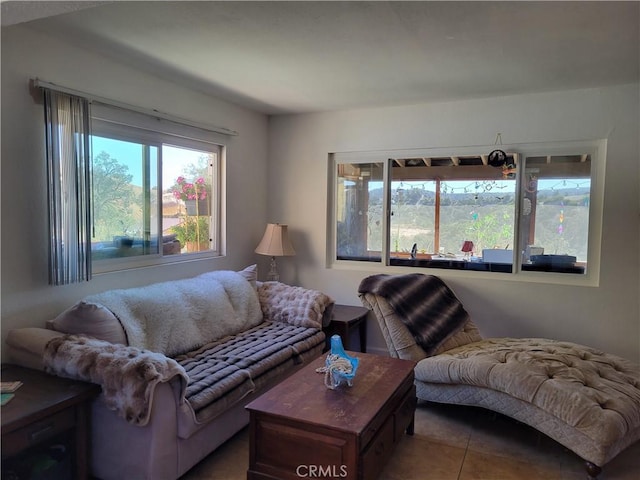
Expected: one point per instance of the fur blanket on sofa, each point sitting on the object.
(177, 317)
(128, 375)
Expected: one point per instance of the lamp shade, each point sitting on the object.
(275, 241)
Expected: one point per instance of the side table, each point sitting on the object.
(344, 320)
(45, 409)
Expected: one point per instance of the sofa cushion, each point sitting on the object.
(222, 372)
(91, 319)
(178, 316)
(596, 393)
(271, 343)
(214, 386)
(97, 321)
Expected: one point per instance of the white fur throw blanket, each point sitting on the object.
(179, 316)
(128, 375)
(297, 306)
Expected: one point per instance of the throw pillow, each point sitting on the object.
(294, 305)
(91, 319)
(251, 274)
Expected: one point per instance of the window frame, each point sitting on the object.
(595, 148)
(134, 127)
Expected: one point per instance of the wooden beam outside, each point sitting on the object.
(436, 230)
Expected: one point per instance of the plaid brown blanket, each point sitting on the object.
(424, 303)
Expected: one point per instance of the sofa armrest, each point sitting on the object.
(128, 375)
(26, 345)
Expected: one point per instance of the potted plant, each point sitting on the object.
(193, 194)
(193, 233)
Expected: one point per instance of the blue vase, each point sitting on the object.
(335, 364)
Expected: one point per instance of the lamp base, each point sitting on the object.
(273, 275)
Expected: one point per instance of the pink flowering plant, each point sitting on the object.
(184, 190)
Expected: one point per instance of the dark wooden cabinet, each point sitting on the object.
(47, 411)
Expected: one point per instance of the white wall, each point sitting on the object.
(606, 317)
(27, 299)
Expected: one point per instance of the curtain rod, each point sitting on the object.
(37, 83)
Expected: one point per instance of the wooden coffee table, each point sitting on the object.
(300, 428)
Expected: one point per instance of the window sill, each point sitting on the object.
(553, 278)
(122, 264)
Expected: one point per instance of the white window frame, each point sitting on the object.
(132, 126)
(597, 148)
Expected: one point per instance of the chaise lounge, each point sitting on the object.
(585, 399)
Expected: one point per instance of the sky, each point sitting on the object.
(174, 161)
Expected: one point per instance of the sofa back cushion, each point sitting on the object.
(397, 336)
(469, 333)
(424, 303)
(400, 342)
(95, 320)
(177, 316)
(90, 319)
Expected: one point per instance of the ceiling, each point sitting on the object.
(294, 57)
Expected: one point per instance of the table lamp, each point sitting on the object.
(275, 243)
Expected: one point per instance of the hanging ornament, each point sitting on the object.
(561, 219)
(508, 171)
(498, 157)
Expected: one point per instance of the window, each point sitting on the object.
(532, 212)
(154, 194)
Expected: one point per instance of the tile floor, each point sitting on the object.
(453, 443)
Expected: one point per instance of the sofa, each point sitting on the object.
(177, 362)
(583, 398)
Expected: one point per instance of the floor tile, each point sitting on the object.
(499, 435)
(453, 443)
(229, 462)
(444, 423)
(626, 466)
(483, 466)
(417, 458)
